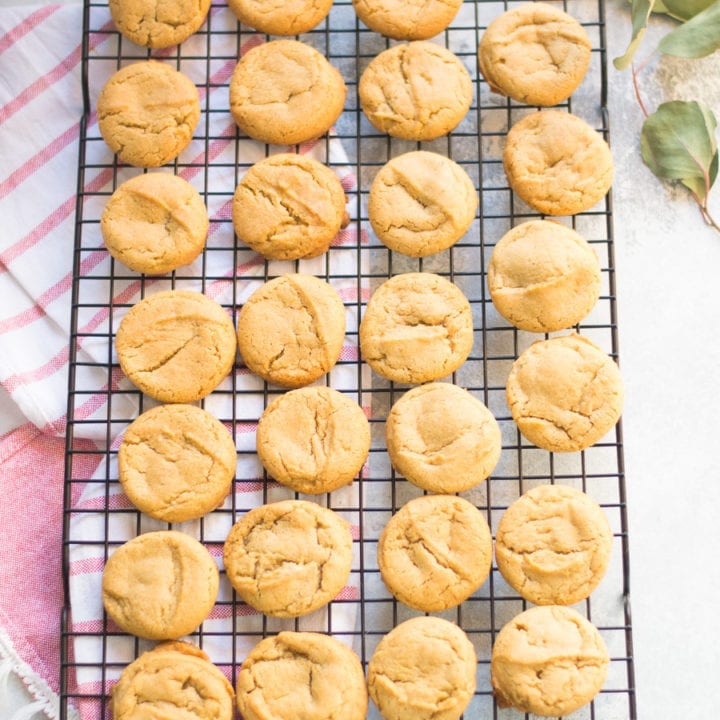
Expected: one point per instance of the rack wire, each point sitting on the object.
(97, 517)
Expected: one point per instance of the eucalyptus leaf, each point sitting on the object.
(681, 9)
(640, 13)
(697, 37)
(678, 142)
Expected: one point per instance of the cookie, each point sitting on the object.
(285, 92)
(313, 440)
(435, 552)
(176, 462)
(288, 207)
(415, 91)
(423, 669)
(442, 438)
(535, 53)
(158, 24)
(176, 346)
(147, 113)
(291, 330)
(154, 223)
(417, 327)
(549, 661)
(543, 276)
(288, 558)
(553, 545)
(302, 675)
(281, 18)
(160, 585)
(564, 393)
(173, 679)
(407, 19)
(557, 163)
(421, 203)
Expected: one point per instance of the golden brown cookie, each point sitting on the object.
(154, 223)
(174, 679)
(564, 393)
(302, 675)
(424, 669)
(157, 23)
(553, 545)
(417, 327)
(557, 163)
(543, 276)
(176, 346)
(289, 206)
(313, 440)
(285, 92)
(549, 661)
(160, 585)
(415, 91)
(421, 203)
(535, 53)
(407, 19)
(435, 552)
(147, 113)
(281, 17)
(291, 329)
(176, 462)
(442, 438)
(288, 558)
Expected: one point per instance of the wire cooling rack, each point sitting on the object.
(102, 403)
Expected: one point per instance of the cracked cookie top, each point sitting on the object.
(302, 675)
(536, 54)
(421, 203)
(407, 19)
(281, 17)
(553, 545)
(176, 346)
(288, 558)
(160, 585)
(176, 462)
(416, 91)
(147, 113)
(289, 206)
(564, 393)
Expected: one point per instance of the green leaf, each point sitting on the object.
(678, 142)
(697, 37)
(640, 12)
(681, 9)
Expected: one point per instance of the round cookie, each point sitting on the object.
(147, 113)
(160, 585)
(553, 545)
(288, 558)
(549, 661)
(158, 24)
(435, 552)
(536, 54)
(281, 17)
(302, 675)
(416, 91)
(543, 276)
(442, 439)
(313, 440)
(421, 203)
(407, 19)
(557, 163)
(417, 327)
(154, 223)
(424, 669)
(176, 346)
(285, 92)
(174, 675)
(291, 330)
(176, 462)
(564, 393)
(288, 207)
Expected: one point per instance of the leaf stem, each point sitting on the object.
(636, 86)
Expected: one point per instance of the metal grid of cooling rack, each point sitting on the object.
(101, 403)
